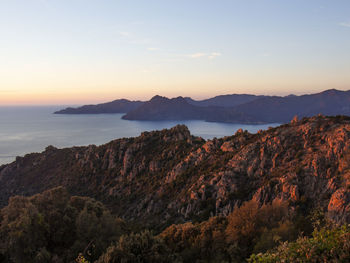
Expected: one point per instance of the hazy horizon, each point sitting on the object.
(56, 52)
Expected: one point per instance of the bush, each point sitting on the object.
(142, 247)
(253, 228)
(202, 241)
(326, 245)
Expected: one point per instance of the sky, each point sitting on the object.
(91, 51)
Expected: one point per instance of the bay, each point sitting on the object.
(31, 129)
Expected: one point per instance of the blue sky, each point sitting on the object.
(80, 51)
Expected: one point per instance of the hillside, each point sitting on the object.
(116, 106)
(224, 100)
(170, 176)
(161, 108)
(282, 109)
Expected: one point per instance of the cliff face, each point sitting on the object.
(170, 176)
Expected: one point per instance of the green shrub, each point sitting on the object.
(326, 245)
(55, 225)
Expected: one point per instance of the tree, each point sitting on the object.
(55, 227)
(140, 247)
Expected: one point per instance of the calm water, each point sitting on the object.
(30, 129)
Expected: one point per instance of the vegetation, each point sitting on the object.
(249, 228)
(326, 245)
(55, 227)
(184, 199)
(139, 247)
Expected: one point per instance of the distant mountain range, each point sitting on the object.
(235, 108)
(162, 108)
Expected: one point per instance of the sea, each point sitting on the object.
(31, 129)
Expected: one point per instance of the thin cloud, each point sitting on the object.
(344, 24)
(214, 55)
(197, 55)
(211, 55)
(152, 48)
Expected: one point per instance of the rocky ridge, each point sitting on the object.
(170, 176)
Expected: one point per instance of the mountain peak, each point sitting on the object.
(332, 91)
(158, 97)
(163, 98)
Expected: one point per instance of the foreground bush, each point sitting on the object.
(326, 245)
